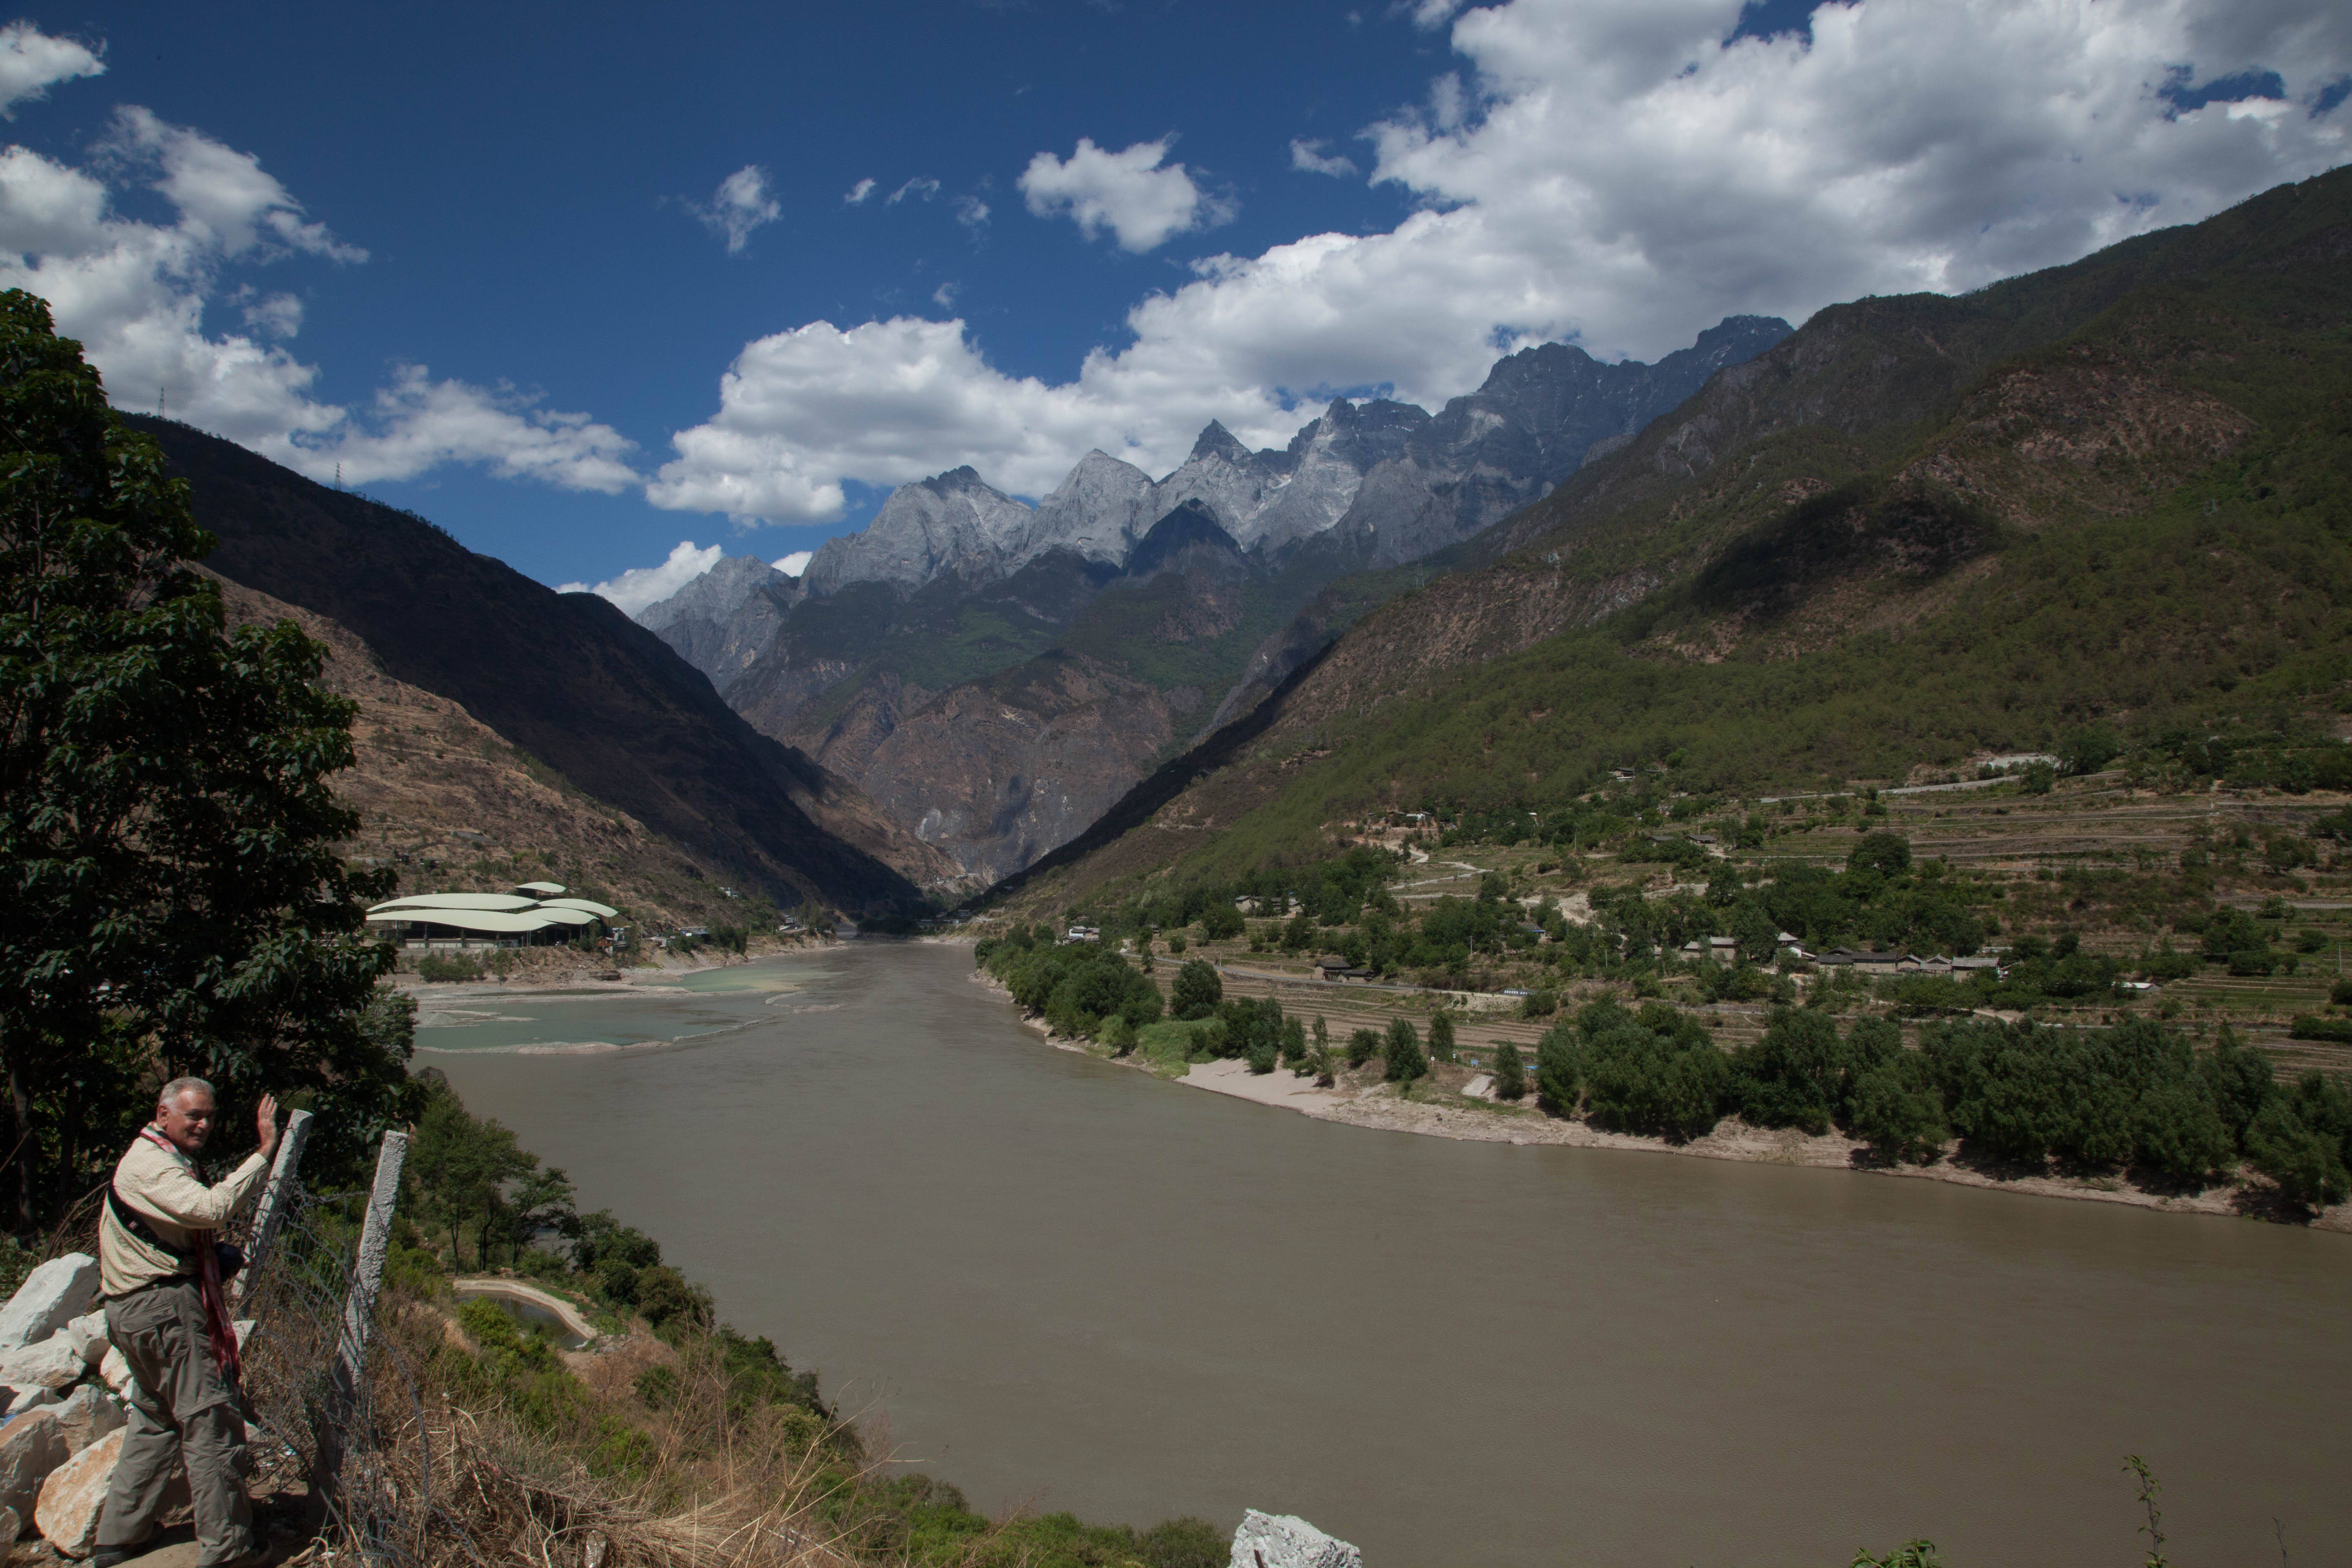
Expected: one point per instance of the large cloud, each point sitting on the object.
(136, 293)
(1614, 170)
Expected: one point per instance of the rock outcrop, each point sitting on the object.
(52, 1295)
(1285, 1541)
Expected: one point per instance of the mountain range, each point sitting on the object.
(2112, 494)
(994, 675)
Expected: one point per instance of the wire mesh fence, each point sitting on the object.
(339, 1422)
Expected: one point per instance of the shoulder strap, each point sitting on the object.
(130, 1219)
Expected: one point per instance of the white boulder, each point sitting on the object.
(87, 1334)
(1285, 1541)
(86, 1415)
(50, 1297)
(30, 1448)
(75, 1495)
(52, 1364)
(114, 1369)
(27, 1396)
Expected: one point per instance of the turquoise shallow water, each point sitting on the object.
(693, 1007)
(1068, 1284)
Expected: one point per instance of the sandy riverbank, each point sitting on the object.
(1438, 1112)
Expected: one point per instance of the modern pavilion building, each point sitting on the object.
(534, 914)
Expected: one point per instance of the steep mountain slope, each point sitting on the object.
(565, 678)
(721, 621)
(2118, 491)
(995, 677)
(450, 805)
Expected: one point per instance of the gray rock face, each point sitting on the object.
(1100, 512)
(30, 1448)
(52, 1295)
(52, 1364)
(719, 622)
(85, 1414)
(1285, 1541)
(953, 524)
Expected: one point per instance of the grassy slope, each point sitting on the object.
(2015, 564)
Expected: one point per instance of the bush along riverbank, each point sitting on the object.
(671, 1437)
(2135, 1112)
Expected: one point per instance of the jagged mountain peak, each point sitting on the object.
(1216, 441)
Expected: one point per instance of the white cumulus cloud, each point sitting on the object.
(1614, 170)
(639, 586)
(795, 563)
(31, 63)
(741, 203)
(1135, 194)
(137, 293)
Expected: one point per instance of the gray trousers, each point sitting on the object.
(183, 1417)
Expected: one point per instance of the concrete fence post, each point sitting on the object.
(359, 1322)
(367, 1273)
(271, 1212)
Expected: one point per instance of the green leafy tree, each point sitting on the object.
(1442, 1046)
(1403, 1048)
(1888, 854)
(1199, 989)
(170, 900)
(1363, 1045)
(1898, 1112)
(2307, 1165)
(1295, 1049)
(1510, 1073)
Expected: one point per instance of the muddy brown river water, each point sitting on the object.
(1072, 1286)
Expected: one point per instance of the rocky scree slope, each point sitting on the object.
(901, 667)
(566, 678)
(2106, 491)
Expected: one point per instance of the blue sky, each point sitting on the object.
(408, 238)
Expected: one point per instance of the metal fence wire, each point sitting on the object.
(339, 1422)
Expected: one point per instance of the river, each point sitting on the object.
(1070, 1285)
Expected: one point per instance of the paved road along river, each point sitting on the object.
(1074, 1286)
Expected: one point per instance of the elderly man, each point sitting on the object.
(165, 1314)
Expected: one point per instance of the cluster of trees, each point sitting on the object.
(1077, 986)
(172, 900)
(2136, 1096)
(2295, 763)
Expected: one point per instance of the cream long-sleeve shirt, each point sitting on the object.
(160, 1182)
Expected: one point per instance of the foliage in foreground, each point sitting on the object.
(171, 901)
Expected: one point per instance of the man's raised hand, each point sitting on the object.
(265, 1122)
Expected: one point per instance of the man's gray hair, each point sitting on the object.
(180, 1086)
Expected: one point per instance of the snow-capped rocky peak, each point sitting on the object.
(954, 522)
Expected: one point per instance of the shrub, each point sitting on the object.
(2311, 1027)
(1362, 1046)
(2341, 994)
(2252, 960)
(440, 969)
(1540, 1004)
(1220, 922)
(1511, 1074)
